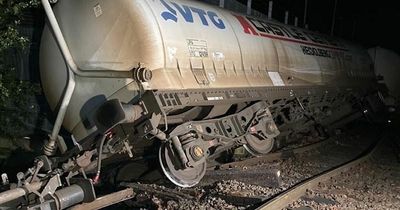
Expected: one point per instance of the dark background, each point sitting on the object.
(367, 22)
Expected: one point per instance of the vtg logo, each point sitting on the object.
(187, 14)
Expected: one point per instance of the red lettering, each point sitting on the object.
(247, 28)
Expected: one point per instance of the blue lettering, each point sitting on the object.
(216, 20)
(170, 14)
(202, 15)
(185, 12)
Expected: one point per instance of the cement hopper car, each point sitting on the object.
(160, 66)
(188, 82)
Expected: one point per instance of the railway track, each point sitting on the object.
(233, 170)
(284, 153)
(373, 184)
(292, 194)
(251, 183)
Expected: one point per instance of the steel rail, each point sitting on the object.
(291, 195)
(107, 200)
(275, 156)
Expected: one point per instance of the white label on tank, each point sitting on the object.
(97, 10)
(197, 48)
(218, 56)
(276, 78)
(211, 76)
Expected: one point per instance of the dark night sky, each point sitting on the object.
(367, 22)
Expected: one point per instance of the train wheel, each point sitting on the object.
(173, 170)
(258, 145)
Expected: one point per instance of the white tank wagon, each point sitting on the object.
(186, 45)
(158, 66)
(186, 81)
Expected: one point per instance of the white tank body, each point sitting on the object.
(186, 45)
